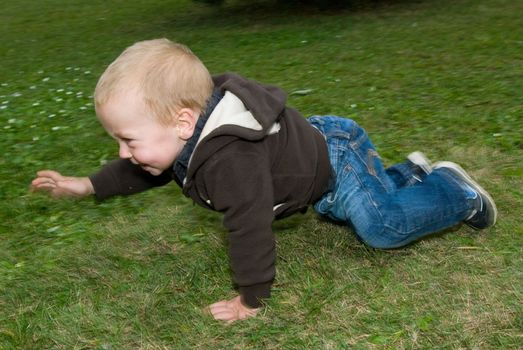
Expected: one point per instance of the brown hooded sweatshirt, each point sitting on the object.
(256, 160)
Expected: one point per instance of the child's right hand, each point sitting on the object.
(62, 186)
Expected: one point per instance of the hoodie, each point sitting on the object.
(256, 160)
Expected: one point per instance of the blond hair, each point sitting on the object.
(167, 75)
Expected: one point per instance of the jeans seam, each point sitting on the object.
(367, 164)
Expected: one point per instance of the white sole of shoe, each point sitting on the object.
(420, 160)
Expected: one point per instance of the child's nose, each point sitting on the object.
(124, 152)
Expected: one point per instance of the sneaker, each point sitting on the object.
(419, 159)
(485, 214)
(420, 167)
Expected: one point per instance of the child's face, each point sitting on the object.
(141, 138)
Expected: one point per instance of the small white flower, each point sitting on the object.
(36, 138)
(68, 68)
(5, 102)
(77, 68)
(16, 94)
(83, 108)
(51, 115)
(7, 127)
(79, 93)
(40, 72)
(87, 72)
(68, 92)
(53, 229)
(32, 87)
(55, 128)
(58, 99)
(60, 90)
(353, 105)
(11, 121)
(33, 126)
(3, 107)
(45, 79)
(36, 104)
(5, 84)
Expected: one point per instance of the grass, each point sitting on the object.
(444, 77)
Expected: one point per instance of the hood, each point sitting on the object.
(248, 110)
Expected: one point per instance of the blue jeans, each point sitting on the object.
(387, 208)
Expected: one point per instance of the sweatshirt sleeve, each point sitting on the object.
(122, 177)
(240, 186)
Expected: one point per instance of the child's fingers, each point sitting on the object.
(222, 311)
(218, 307)
(49, 187)
(42, 181)
(224, 315)
(56, 176)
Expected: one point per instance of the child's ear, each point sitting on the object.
(185, 123)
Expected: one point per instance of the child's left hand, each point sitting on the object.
(231, 310)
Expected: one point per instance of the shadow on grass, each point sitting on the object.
(270, 12)
(350, 231)
(275, 7)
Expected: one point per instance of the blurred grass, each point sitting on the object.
(444, 77)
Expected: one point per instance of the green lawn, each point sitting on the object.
(444, 77)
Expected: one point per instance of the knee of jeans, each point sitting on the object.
(382, 242)
(379, 236)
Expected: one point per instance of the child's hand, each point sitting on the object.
(231, 310)
(62, 186)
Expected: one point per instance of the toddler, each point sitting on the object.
(234, 146)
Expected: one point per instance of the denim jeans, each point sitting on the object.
(387, 208)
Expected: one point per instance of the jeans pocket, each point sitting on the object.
(325, 204)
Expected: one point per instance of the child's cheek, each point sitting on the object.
(140, 156)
